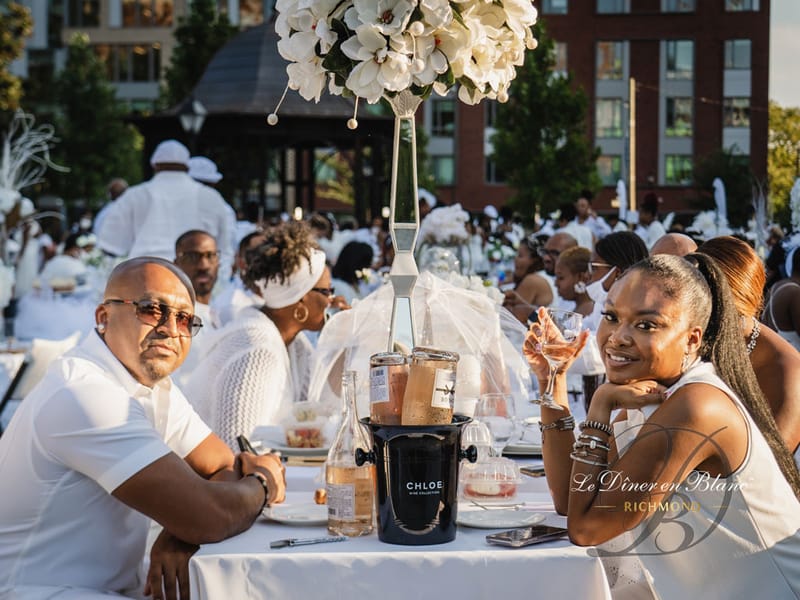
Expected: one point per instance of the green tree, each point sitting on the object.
(733, 170)
(540, 144)
(783, 158)
(198, 35)
(95, 142)
(15, 25)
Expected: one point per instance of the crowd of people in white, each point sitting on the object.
(263, 292)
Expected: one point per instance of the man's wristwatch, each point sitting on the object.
(263, 481)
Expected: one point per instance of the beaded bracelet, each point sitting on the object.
(263, 481)
(597, 425)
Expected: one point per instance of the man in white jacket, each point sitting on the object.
(148, 218)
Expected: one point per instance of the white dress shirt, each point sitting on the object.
(83, 431)
(148, 218)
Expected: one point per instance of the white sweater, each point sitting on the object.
(248, 377)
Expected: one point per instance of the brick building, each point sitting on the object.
(701, 69)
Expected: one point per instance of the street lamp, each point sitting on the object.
(192, 115)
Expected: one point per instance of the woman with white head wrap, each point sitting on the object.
(258, 364)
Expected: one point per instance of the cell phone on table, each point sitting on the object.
(526, 536)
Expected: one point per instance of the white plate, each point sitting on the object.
(259, 446)
(498, 518)
(523, 449)
(298, 514)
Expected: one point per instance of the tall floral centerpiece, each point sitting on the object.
(402, 51)
(24, 159)
(444, 241)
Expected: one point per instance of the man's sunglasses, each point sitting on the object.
(155, 314)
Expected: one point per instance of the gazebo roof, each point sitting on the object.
(248, 76)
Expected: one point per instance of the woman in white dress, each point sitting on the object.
(258, 365)
(698, 487)
(775, 362)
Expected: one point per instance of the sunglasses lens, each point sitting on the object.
(149, 313)
(154, 315)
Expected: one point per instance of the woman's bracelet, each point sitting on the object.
(263, 481)
(596, 425)
(586, 461)
(590, 444)
(566, 423)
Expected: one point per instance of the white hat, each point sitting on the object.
(170, 151)
(204, 169)
(427, 196)
(490, 211)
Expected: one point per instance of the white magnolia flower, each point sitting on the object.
(393, 45)
(309, 77)
(389, 16)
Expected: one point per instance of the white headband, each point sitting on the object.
(294, 287)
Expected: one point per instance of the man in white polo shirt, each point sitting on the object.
(105, 441)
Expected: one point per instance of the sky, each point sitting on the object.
(784, 73)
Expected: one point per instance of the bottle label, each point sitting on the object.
(444, 386)
(341, 501)
(378, 384)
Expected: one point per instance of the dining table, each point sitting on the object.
(245, 566)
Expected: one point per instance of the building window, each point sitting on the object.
(679, 117)
(680, 59)
(251, 12)
(125, 64)
(554, 7)
(444, 169)
(608, 117)
(609, 167)
(493, 172)
(611, 6)
(741, 5)
(443, 118)
(737, 54)
(147, 13)
(736, 112)
(677, 6)
(678, 169)
(609, 60)
(83, 13)
(491, 113)
(560, 67)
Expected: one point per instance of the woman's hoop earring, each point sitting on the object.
(579, 287)
(101, 328)
(304, 316)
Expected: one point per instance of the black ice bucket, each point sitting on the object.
(417, 480)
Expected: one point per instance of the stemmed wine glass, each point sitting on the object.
(557, 347)
(496, 411)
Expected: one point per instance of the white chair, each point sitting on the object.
(34, 366)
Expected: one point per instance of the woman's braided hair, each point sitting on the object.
(700, 284)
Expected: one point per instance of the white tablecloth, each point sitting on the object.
(467, 568)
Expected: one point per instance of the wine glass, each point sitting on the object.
(559, 348)
(496, 411)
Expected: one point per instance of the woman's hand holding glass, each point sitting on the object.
(550, 347)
